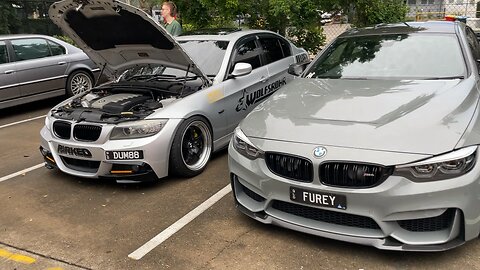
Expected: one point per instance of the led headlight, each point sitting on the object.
(138, 129)
(243, 145)
(441, 167)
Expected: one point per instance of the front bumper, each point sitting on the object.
(152, 166)
(400, 214)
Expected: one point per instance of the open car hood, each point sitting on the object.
(117, 36)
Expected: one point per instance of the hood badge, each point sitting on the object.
(319, 151)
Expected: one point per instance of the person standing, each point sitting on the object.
(169, 14)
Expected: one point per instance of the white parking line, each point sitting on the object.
(175, 227)
(21, 172)
(23, 121)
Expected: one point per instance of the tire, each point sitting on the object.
(191, 147)
(79, 82)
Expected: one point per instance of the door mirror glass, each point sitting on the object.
(296, 69)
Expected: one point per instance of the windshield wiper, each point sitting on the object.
(445, 78)
(149, 77)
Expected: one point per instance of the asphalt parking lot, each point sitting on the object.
(52, 221)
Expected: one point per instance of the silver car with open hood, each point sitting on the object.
(172, 102)
(376, 143)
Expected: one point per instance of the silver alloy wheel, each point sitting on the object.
(196, 145)
(80, 83)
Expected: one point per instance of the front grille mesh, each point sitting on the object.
(291, 167)
(62, 129)
(432, 224)
(327, 216)
(87, 133)
(353, 174)
(90, 166)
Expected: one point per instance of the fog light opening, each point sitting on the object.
(125, 169)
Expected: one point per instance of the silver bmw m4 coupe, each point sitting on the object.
(376, 143)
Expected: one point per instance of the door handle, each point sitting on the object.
(9, 71)
(62, 63)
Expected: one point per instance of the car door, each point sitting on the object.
(8, 78)
(38, 68)
(277, 55)
(243, 93)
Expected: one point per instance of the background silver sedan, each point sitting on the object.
(36, 67)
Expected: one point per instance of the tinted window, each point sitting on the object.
(413, 56)
(248, 53)
(56, 49)
(207, 54)
(473, 43)
(3, 53)
(26, 49)
(272, 50)
(287, 50)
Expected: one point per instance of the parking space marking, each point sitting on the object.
(16, 257)
(23, 121)
(179, 224)
(10, 176)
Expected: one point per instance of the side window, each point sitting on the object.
(33, 48)
(473, 43)
(56, 49)
(3, 53)
(248, 52)
(271, 48)
(286, 48)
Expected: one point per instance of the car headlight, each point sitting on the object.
(243, 145)
(138, 129)
(441, 167)
(47, 122)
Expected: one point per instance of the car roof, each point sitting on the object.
(11, 36)
(445, 27)
(218, 34)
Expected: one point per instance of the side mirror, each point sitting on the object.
(241, 69)
(297, 69)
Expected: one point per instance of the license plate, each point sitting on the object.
(318, 198)
(124, 155)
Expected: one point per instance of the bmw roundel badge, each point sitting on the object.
(319, 151)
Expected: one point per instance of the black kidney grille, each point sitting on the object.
(86, 133)
(62, 129)
(291, 167)
(318, 214)
(353, 174)
(432, 224)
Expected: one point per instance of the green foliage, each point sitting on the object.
(370, 12)
(66, 39)
(310, 39)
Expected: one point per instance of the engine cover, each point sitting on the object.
(118, 103)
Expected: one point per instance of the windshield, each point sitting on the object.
(397, 56)
(150, 72)
(207, 54)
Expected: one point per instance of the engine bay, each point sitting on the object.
(115, 103)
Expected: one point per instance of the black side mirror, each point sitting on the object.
(297, 68)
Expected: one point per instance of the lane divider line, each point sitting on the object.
(23, 121)
(21, 172)
(179, 224)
